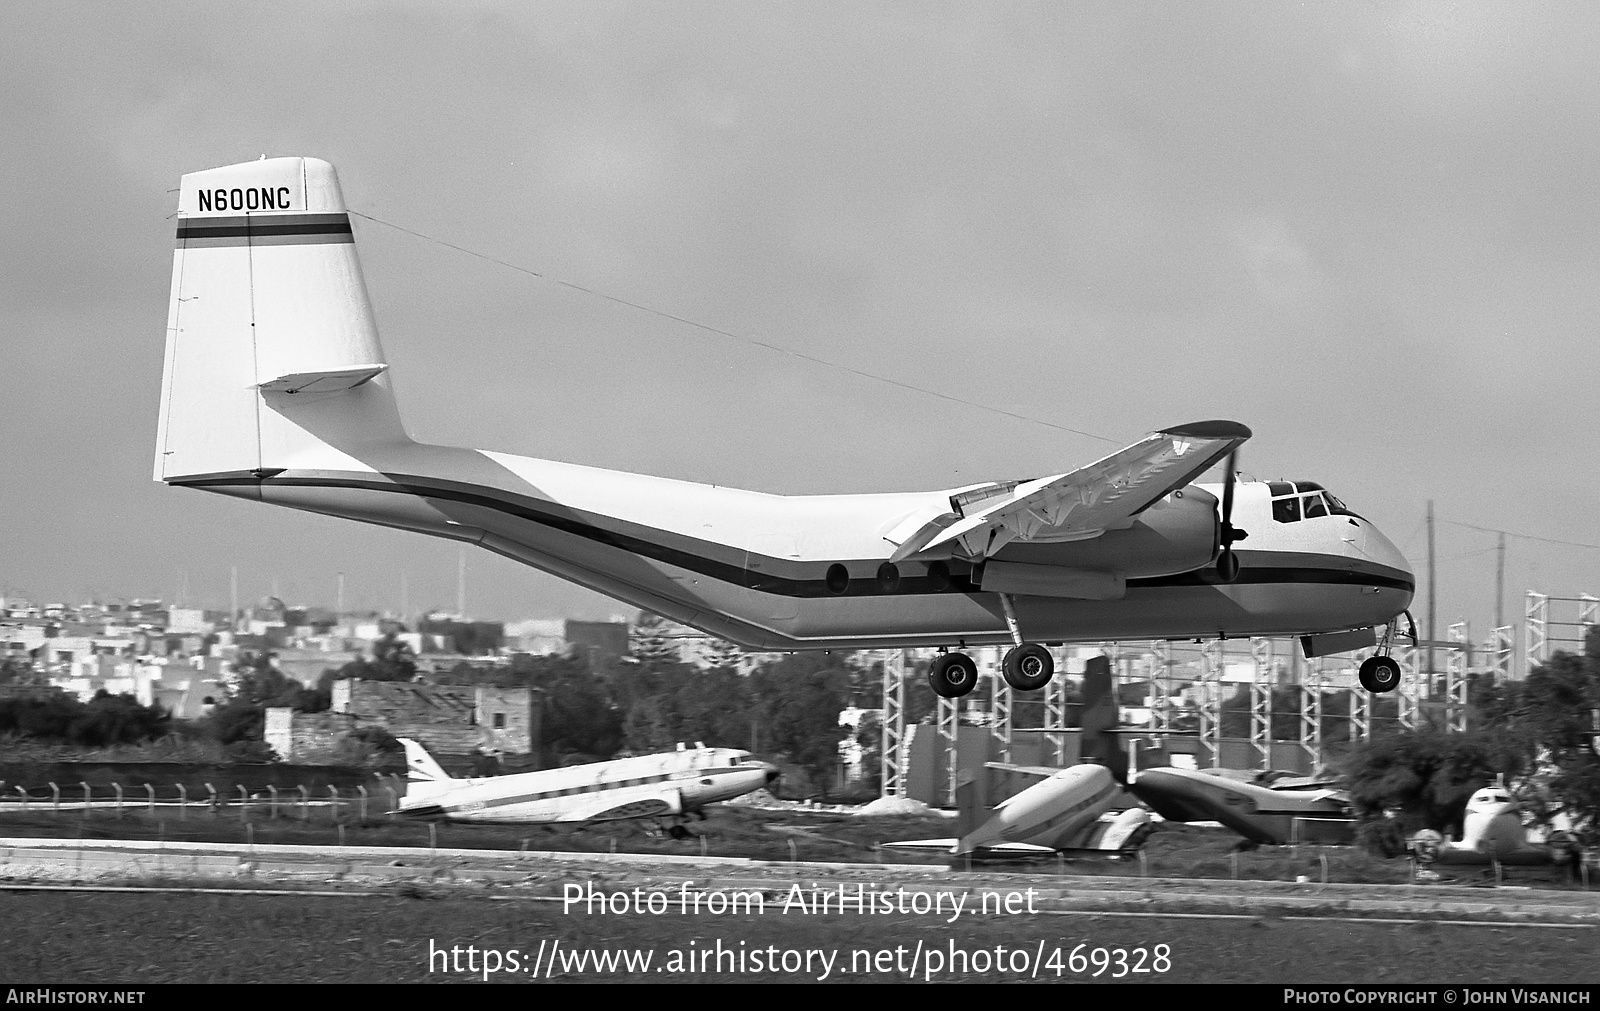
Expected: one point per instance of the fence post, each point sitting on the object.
(150, 792)
(305, 802)
(183, 802)
(118, 787)
(55, 799)
(334, 791)
(244, 802)
(85, 785)
(212, 803)
(272, 802)
(362, 790)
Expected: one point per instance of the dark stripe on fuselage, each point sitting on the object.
(264, 229)
(535, 511)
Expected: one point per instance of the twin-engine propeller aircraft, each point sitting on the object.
(665, 786)
(276, 390)
(1491, 831)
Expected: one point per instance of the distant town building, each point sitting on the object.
(449, 719)
(602, 642)
(539, 636)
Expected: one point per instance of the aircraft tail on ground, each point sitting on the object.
(420, 766)
(1100, 716)
(969, 805)
(272, 353)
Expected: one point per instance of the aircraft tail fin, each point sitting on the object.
(969, 802)
(272, 353)
(1100, 716)
(420, 766)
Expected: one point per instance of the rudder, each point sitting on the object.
(420, 766)
(272, 353)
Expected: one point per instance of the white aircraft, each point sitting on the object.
(1068, 809)
(1491, 831)
(650, 786)
(1263, 814)
(276, 390)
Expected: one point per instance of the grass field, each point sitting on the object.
(764, 834)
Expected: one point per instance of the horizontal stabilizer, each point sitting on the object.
(333, 381)
(1044, 771)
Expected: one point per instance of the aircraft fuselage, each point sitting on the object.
(763, 570)
(645, 786)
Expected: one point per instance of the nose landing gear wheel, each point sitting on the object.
(1028, 667)
(952, 675)
(1379, 674)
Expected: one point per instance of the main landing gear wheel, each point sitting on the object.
(1028, 667)
(952, 675)
(1379, 674)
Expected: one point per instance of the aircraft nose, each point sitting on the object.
(1383, 551)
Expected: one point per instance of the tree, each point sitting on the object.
(649, 645)
(581, 716)
(104, 720)
(1556, 710)
(20, 672)
(1427, 774)
(798, 701)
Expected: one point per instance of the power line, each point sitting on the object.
(1525, 537)
(733, 336)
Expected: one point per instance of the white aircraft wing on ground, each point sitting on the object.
(613, 808)
(1085, 503)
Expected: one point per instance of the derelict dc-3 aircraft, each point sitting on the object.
(647, 786)
(1491, 830)
(276, 390)
(1066, 810)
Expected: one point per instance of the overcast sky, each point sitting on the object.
(1369, 231)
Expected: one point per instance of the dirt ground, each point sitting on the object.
(125, 939)
(410, 934)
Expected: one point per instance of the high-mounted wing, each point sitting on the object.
(1104, 495)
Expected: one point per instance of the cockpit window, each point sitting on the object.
(1339, 508)
(1304, 500)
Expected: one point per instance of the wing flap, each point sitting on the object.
(1085, 503)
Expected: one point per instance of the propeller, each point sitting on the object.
(1227, 563)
